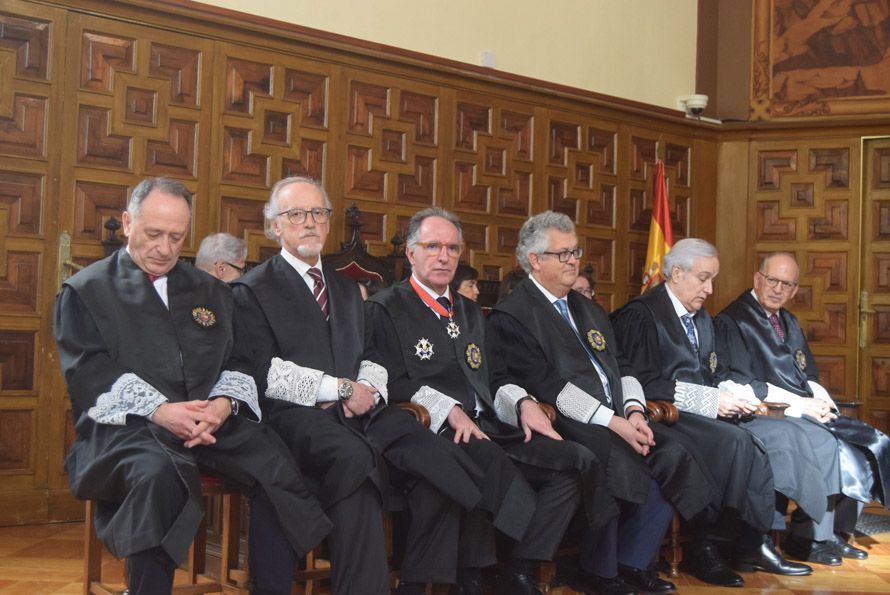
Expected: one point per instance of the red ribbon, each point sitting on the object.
(429, 301)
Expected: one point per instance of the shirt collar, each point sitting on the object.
(550, 297)
(301, 267)
(762, 309)
(679, 308)
(430, 291)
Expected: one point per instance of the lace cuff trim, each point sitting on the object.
(506, 401)
(129, 395)
(375, 376)
(437, 403)
(633, 392)
(289, 382)
(576, 404)
(698, 399)
(240, 386)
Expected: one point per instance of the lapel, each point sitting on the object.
(552, 316)
(585, 322)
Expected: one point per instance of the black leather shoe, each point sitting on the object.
(645, 581)
(467, 586)
(817, 552)
(597, 585)
(706, 565)
(767, 559)
(516, 583)
(845, 550)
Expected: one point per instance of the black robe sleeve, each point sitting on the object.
(382, 346)
(639, 354)
(254, 342)
(84, 358)
(735, 356)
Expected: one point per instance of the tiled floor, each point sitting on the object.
(48, 559)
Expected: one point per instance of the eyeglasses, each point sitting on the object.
(434, 248)
(241, 270)
(298, 216)
(773, 282)
(565, 255)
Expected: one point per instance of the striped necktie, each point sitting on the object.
(320, 292)
(774, 320)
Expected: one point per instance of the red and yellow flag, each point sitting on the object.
(661, 238)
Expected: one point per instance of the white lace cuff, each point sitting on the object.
(129, 395)
(505, 402)
(289, 382)
(437, 403)
(576, 404)
(375, 376)
(820, 393)
(777, 394)
(697, 399)
(237, 385)
(633, 392)
(739, 391)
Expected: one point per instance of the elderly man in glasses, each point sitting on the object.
(764, 346)
(432, 341)
(223, 256)
(299, 333)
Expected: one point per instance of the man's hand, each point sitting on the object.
(193, 421)
(817, 409)
(362, 399)
(640, 423)
(533, 419)
(639, 441)
(463, 426)
(731, 405)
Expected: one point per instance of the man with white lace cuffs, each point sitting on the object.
(666, 339)
(299, 333)
(432, 342)
(143, 340)
(560, 345)
(764, 346)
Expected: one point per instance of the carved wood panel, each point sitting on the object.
(804, 200)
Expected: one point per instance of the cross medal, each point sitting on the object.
(452, 329)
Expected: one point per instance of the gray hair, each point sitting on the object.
(533, 235)
(220, 246)
(684, 254)
(165, 185)
(271, 209)
(418, 219)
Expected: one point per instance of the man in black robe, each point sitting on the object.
(299, 330)
(142, 342)
(763, 345)
(667, 339)
(560, 345)
(432, 343)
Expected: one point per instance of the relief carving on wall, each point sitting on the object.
(820, 58)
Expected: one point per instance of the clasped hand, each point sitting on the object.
(193, 421)
(731, 404)
(635, 431)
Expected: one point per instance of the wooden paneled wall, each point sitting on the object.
(96, 95)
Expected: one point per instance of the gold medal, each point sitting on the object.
(596, 339)
(712, 362)
(800, 359)
(203, 316)
(474, 356)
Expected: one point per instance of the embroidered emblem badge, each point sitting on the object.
(452, 329)
(203, 316)
(474, 356)
(423, 349)
(596, 339)
(800, 359)
(712, 362)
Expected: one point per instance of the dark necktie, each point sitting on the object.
(320, 292)
(152, 278)
(777, 326)
(690, 331)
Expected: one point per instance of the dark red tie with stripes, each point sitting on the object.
(320, 292)
(777, 326)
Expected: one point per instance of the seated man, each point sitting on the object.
(667, 339)
(432, 343)
(763, 345)
(299, 333)
(560, 345)
(142, 342)
(223, 256)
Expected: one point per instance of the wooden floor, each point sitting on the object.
(48, 559)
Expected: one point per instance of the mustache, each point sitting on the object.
(310, 234)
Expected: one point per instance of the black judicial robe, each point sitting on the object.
(276, 315)
(397, 322)
(653, 346)
(756, 356)
(110, 321)
(540, 350)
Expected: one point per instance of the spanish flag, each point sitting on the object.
(661, 238)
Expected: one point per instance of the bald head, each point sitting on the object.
(776, 281)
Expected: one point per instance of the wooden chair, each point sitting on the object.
(231, 578)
